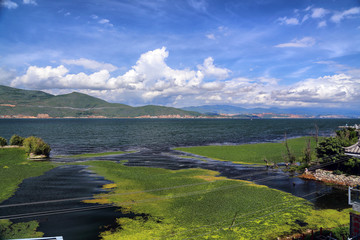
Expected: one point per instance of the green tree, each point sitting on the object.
(37, 146)
(329, 147)
(16, 140)
(3, 141)
(347, 136)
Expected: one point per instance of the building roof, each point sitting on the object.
(353, 150)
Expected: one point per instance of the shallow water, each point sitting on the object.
(152, 139)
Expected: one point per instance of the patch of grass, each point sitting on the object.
(208, 207)
(252, 153)
(14, 168)
(88, 155)
(9, 230)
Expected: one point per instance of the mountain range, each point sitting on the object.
(15, 102)
(303, 111)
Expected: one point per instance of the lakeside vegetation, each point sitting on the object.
(254, 153)
(194, 202)
(14, 168)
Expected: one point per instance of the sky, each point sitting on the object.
(249, 53)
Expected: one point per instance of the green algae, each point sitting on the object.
(195, 203)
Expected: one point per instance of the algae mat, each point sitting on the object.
(195, 204)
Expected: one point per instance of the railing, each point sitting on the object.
(44, 238)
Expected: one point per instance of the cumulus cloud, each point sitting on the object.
(151, 81)
(209, 70)
(288, 21)
(90, 64)
(298, 43)
(339, 16)
(9, 4)
(340, 88)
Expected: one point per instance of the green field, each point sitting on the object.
(14, 168)
(195, 203)
(252, 153)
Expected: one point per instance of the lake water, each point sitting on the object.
(153, 140)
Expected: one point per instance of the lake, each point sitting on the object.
(153, 140)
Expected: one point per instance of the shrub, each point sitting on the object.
(16, 140)
(36, 146)
(3, 141)
(329, 147)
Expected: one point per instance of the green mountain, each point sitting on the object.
(15, 101)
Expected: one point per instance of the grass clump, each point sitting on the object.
(207, 207)
(252, 153)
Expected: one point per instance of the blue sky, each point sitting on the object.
(251, 53)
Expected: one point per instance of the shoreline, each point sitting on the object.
(330, 178)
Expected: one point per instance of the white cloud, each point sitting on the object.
(210, 36)
(319, 12)
(306, 17)
(104, 21)
(322, 24)
(301, 43)
(94, 16)
(152, 81)
(288, 21)
(90, 64)
(31, 2)
(9, 4)
(340, 88)
(67, 14)
(339, 16)
(199, 5)
(209, 70)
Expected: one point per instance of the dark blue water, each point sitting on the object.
(73, 136)
(153, 140)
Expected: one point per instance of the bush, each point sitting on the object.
(36, 146)
(16, 140)
(3, 141)
(329, 147)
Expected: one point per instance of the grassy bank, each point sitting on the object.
(252, 153)
(207, 207)
(14, 168)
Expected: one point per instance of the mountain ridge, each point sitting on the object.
(30, 103)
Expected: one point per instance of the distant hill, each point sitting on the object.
(15, 101)
(305, 111)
